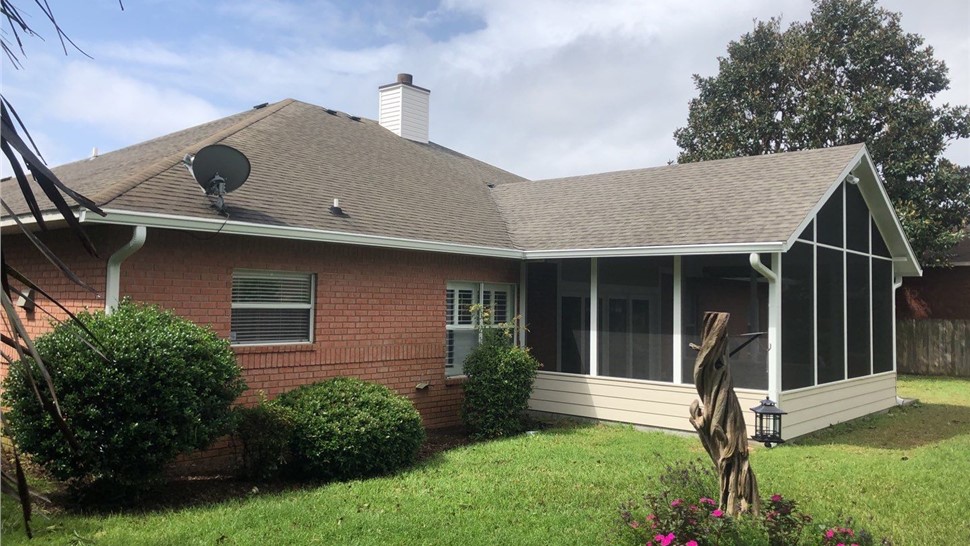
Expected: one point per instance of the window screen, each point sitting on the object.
(271, 307)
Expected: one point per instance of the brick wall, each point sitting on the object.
(379, 313)
(941, 293)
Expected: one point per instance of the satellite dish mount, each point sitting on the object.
(218, 169)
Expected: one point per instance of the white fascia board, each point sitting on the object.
(169, 221)
(166, 221)
(669, 250)
(862, 156)
(825, 198)
(52, 219)
(912, 262)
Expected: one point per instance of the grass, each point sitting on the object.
(904, 474)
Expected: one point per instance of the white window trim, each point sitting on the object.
(478, 298)
(310, 307)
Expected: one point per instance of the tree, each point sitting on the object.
(849, 75)
(15, 149)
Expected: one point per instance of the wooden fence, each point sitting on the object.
(933, 347)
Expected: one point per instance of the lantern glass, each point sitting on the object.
(767, 427)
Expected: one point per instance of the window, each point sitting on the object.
(271, 307)
(461, 327)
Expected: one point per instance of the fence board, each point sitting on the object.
(933, 347)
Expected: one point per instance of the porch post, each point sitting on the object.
(523, 282)
(593, 317)
(678, 318)
(774, 329)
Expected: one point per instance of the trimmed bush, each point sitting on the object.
(346, 428)
(165, 389)
(500, 378)
(264, 431)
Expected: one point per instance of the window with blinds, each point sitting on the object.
(271, 307)
(461, 333)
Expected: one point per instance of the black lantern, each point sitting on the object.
(767, 423)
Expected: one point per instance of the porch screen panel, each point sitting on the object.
(636, 340)
(271, 307)
(856, 219)
(574, 316)
(829, 220)
(727, 283)
(831, 351)
(798, 317)
(882, 315)
(857, 314)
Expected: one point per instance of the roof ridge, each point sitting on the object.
(857, 146)
(114, 191)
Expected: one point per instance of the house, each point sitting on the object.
(611, 271)
(933, 313)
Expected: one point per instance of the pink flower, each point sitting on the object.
(665, 540)
(634, 524)
(691, 543)
(829, 534)
(776, 498)
(676, 503)
(717, 513)
(705, 500)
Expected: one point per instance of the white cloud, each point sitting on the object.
(542, 88)
(125, 107)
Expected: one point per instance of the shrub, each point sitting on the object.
(164, 388)
(346, 428)
(500, 378)
(264, 431)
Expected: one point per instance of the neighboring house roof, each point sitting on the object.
(401, 193)
(960, 254)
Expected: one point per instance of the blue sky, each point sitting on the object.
(542, 88)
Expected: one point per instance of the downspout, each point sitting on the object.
(897, 282)
(112, 285)
(774, 321)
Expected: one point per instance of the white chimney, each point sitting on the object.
(403, 109)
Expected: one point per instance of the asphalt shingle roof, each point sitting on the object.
(742, 200)
(303, 156)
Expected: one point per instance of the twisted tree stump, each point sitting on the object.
(719, 420)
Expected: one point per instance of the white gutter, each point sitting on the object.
(287, 232)
(112, 287)
(682, 250)
(168, 221)
(774, 320)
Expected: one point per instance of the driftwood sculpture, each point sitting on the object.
(719, 421)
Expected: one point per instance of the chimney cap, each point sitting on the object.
(405, 78)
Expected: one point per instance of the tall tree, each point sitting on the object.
(850, 74)
(19, 150)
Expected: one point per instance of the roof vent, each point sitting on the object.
(403, 109)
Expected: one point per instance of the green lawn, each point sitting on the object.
(904, 474)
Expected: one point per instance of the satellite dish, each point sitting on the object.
(218, 169)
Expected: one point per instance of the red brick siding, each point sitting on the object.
(941, 293)
(379, 313)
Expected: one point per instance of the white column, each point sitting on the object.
(523, 282)
(774, 329)
(678, 323)
(593, 317)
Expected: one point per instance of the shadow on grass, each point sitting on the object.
(178, 493)
(905, 427)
